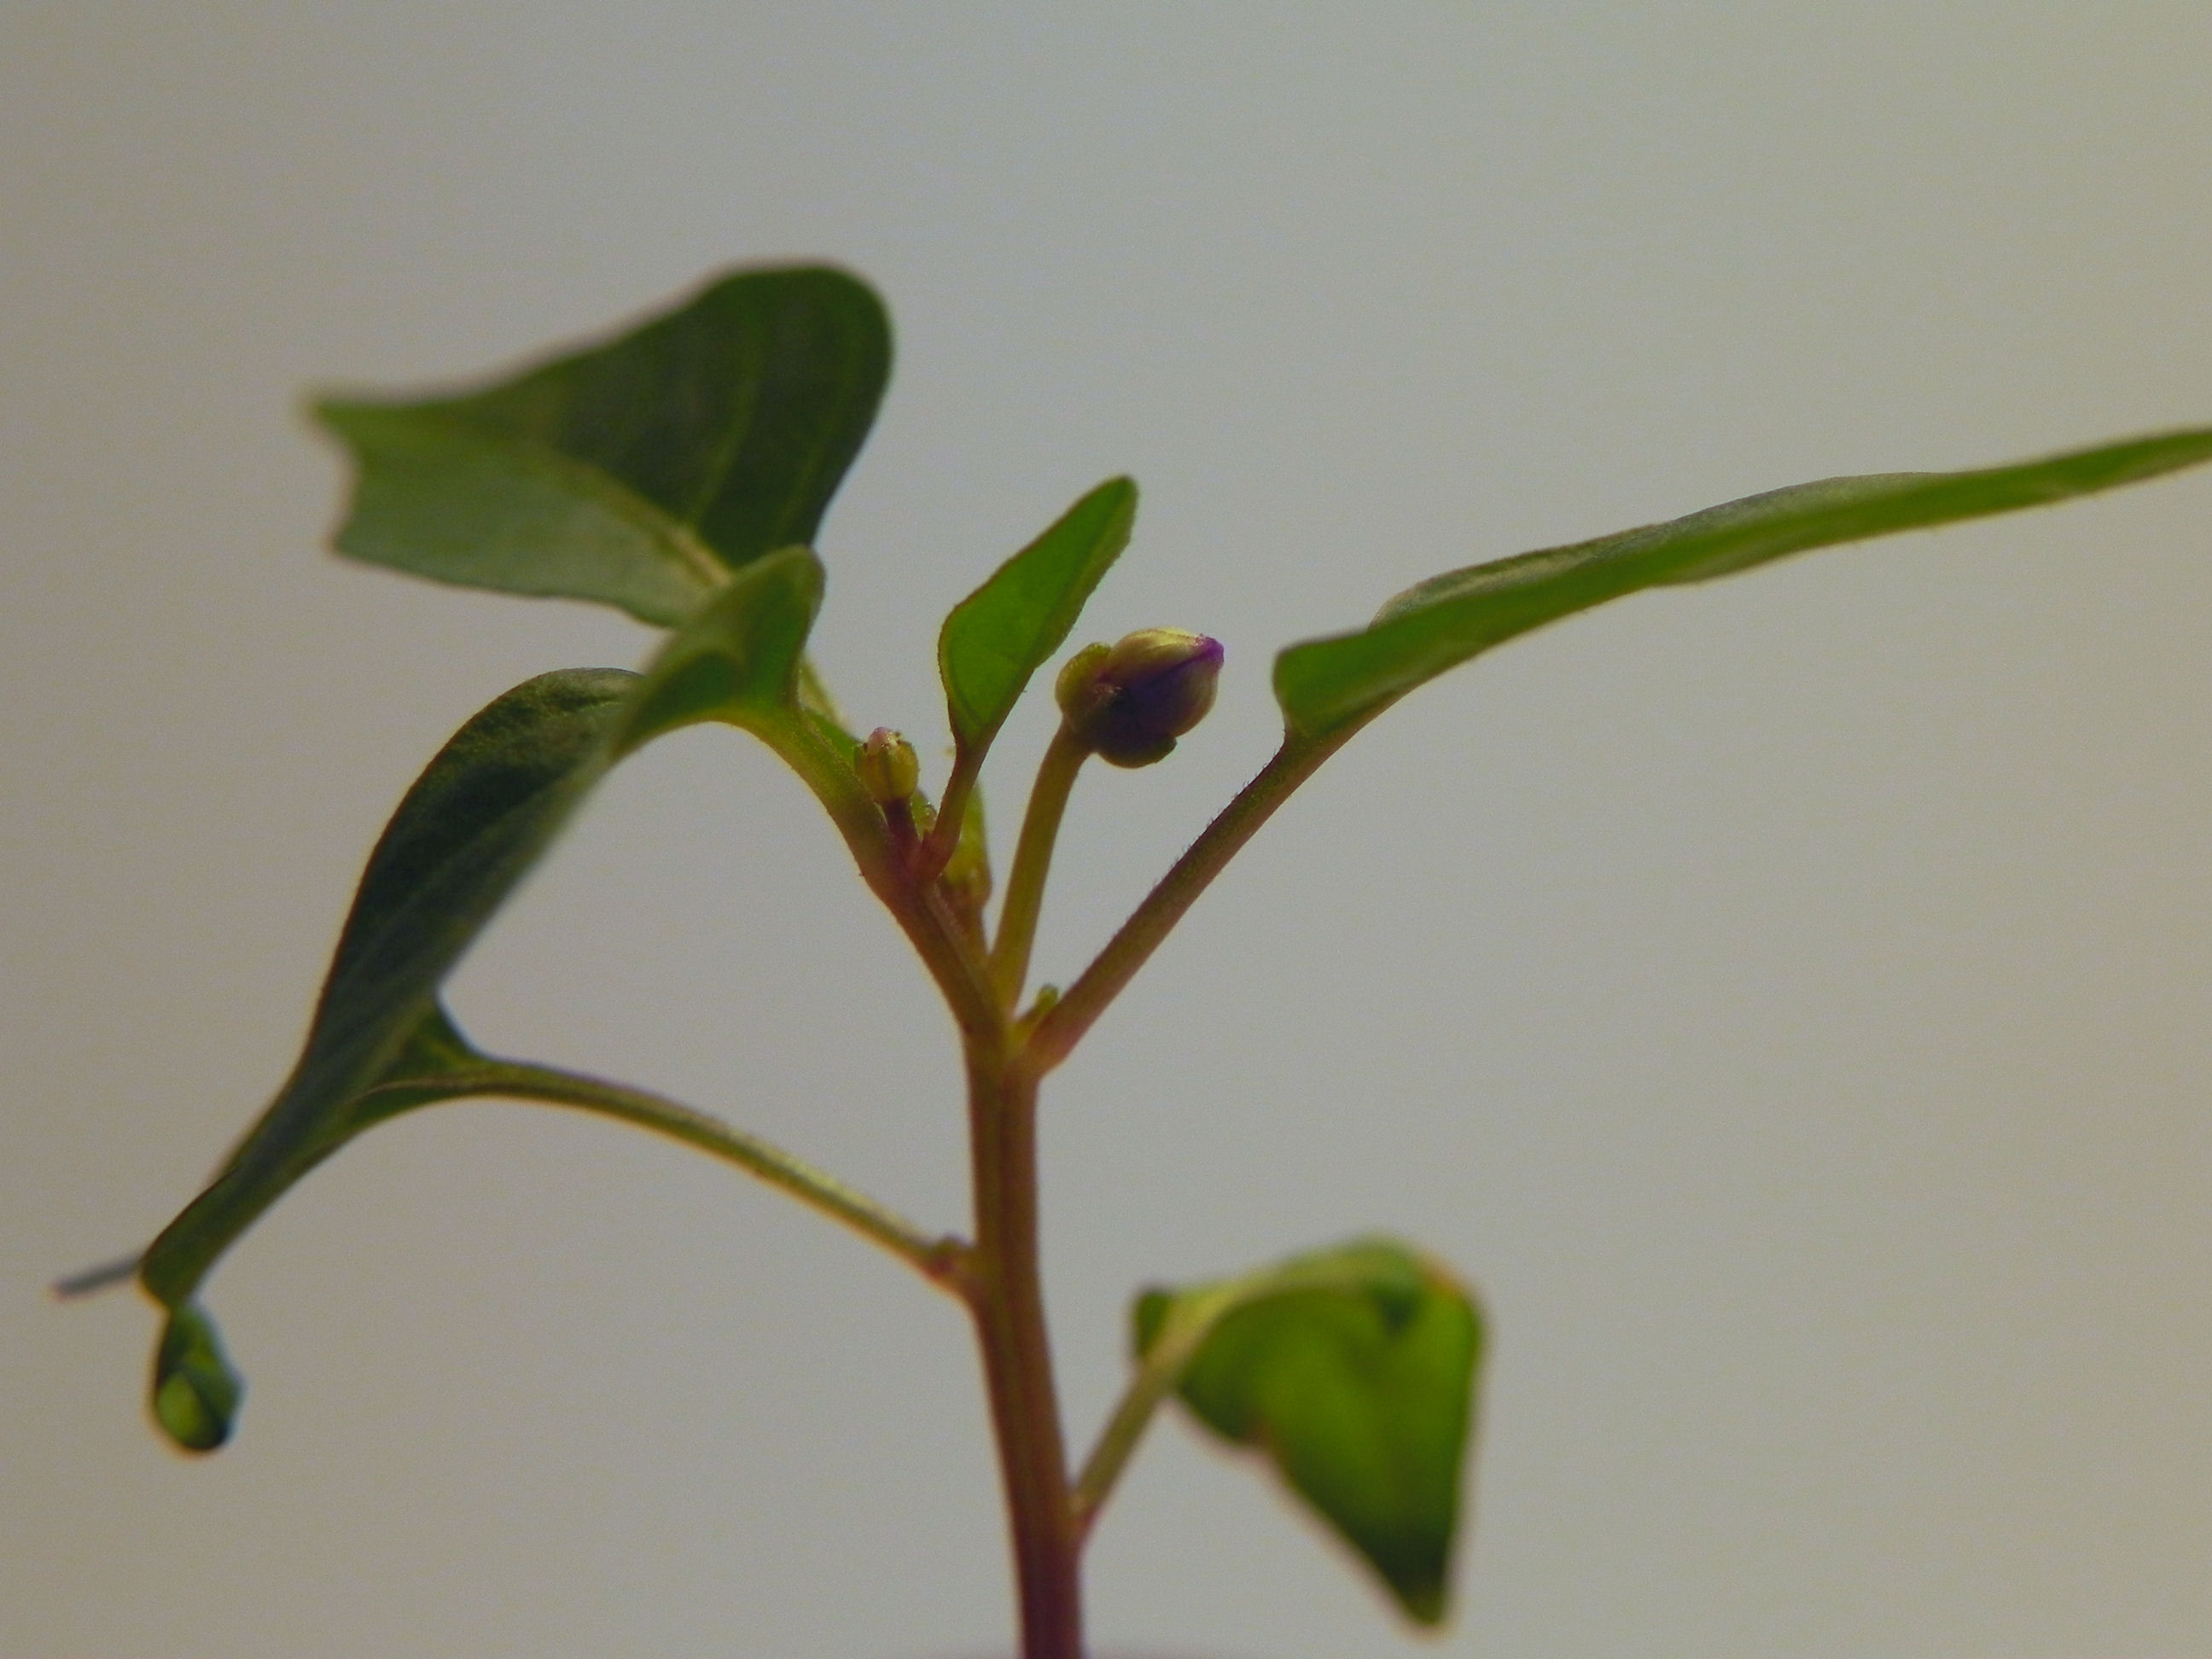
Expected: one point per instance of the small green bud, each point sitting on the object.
(1129, 701)
(889, 770)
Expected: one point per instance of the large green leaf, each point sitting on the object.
(1326, 685)
(1352, 1371)
(642, 472)
(482, 813)
(1003, 632)
(475, 820)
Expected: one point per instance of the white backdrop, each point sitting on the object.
(1787, 1000)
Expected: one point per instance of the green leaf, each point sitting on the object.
(196, 1392)
(737, 659)
(475, 820)
(482, 813)
(1003, 632)
(1352, 1371)
(1327, 685)
(642, 472)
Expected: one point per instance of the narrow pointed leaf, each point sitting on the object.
(1007, 628)
(1329, 684)
(642, 472)
(1352, 1371)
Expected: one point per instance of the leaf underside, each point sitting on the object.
(1352, 1372)
(642, 472)
(1327, 685)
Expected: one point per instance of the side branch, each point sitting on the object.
(1061, 1029)
(941, 1258)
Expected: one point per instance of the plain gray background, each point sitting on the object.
(1787, 1000)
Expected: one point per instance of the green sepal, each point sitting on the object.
(642, 472)
(1001, 635)
(1352, 1372)
(1329, 684)
(196, 1392)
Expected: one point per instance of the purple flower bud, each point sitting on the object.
(888, 766)
(1129, 703)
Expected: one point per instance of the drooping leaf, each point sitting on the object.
(475, 820)
(642, 472)
(482, 813)
(1006, 629)
(1352, 1372)
(196, 1392)
(1327, 684)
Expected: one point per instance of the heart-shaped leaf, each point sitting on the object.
(1005, 630)
(642, 472)
(1327, 685)
(1352, 1371)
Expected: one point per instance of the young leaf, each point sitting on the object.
(642, 472)
(1326, 685)
(1352, 1369)
(1007, 628)
(736, 657)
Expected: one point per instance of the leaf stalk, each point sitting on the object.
(1157, 1374)
(1078, 1008)
(1024, 901)
(951, 813)
(941, 1258)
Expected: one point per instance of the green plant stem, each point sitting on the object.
(1079, 1006)
(951, 813)
(940, 1259)
(1007, 1294)
(998, 1275)
(1157, 1374)
(1024, 900)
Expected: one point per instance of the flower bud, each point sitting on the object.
(889, 769)
(1128, 702)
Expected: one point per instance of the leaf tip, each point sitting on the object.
(196, 1391)
(89, 1281)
